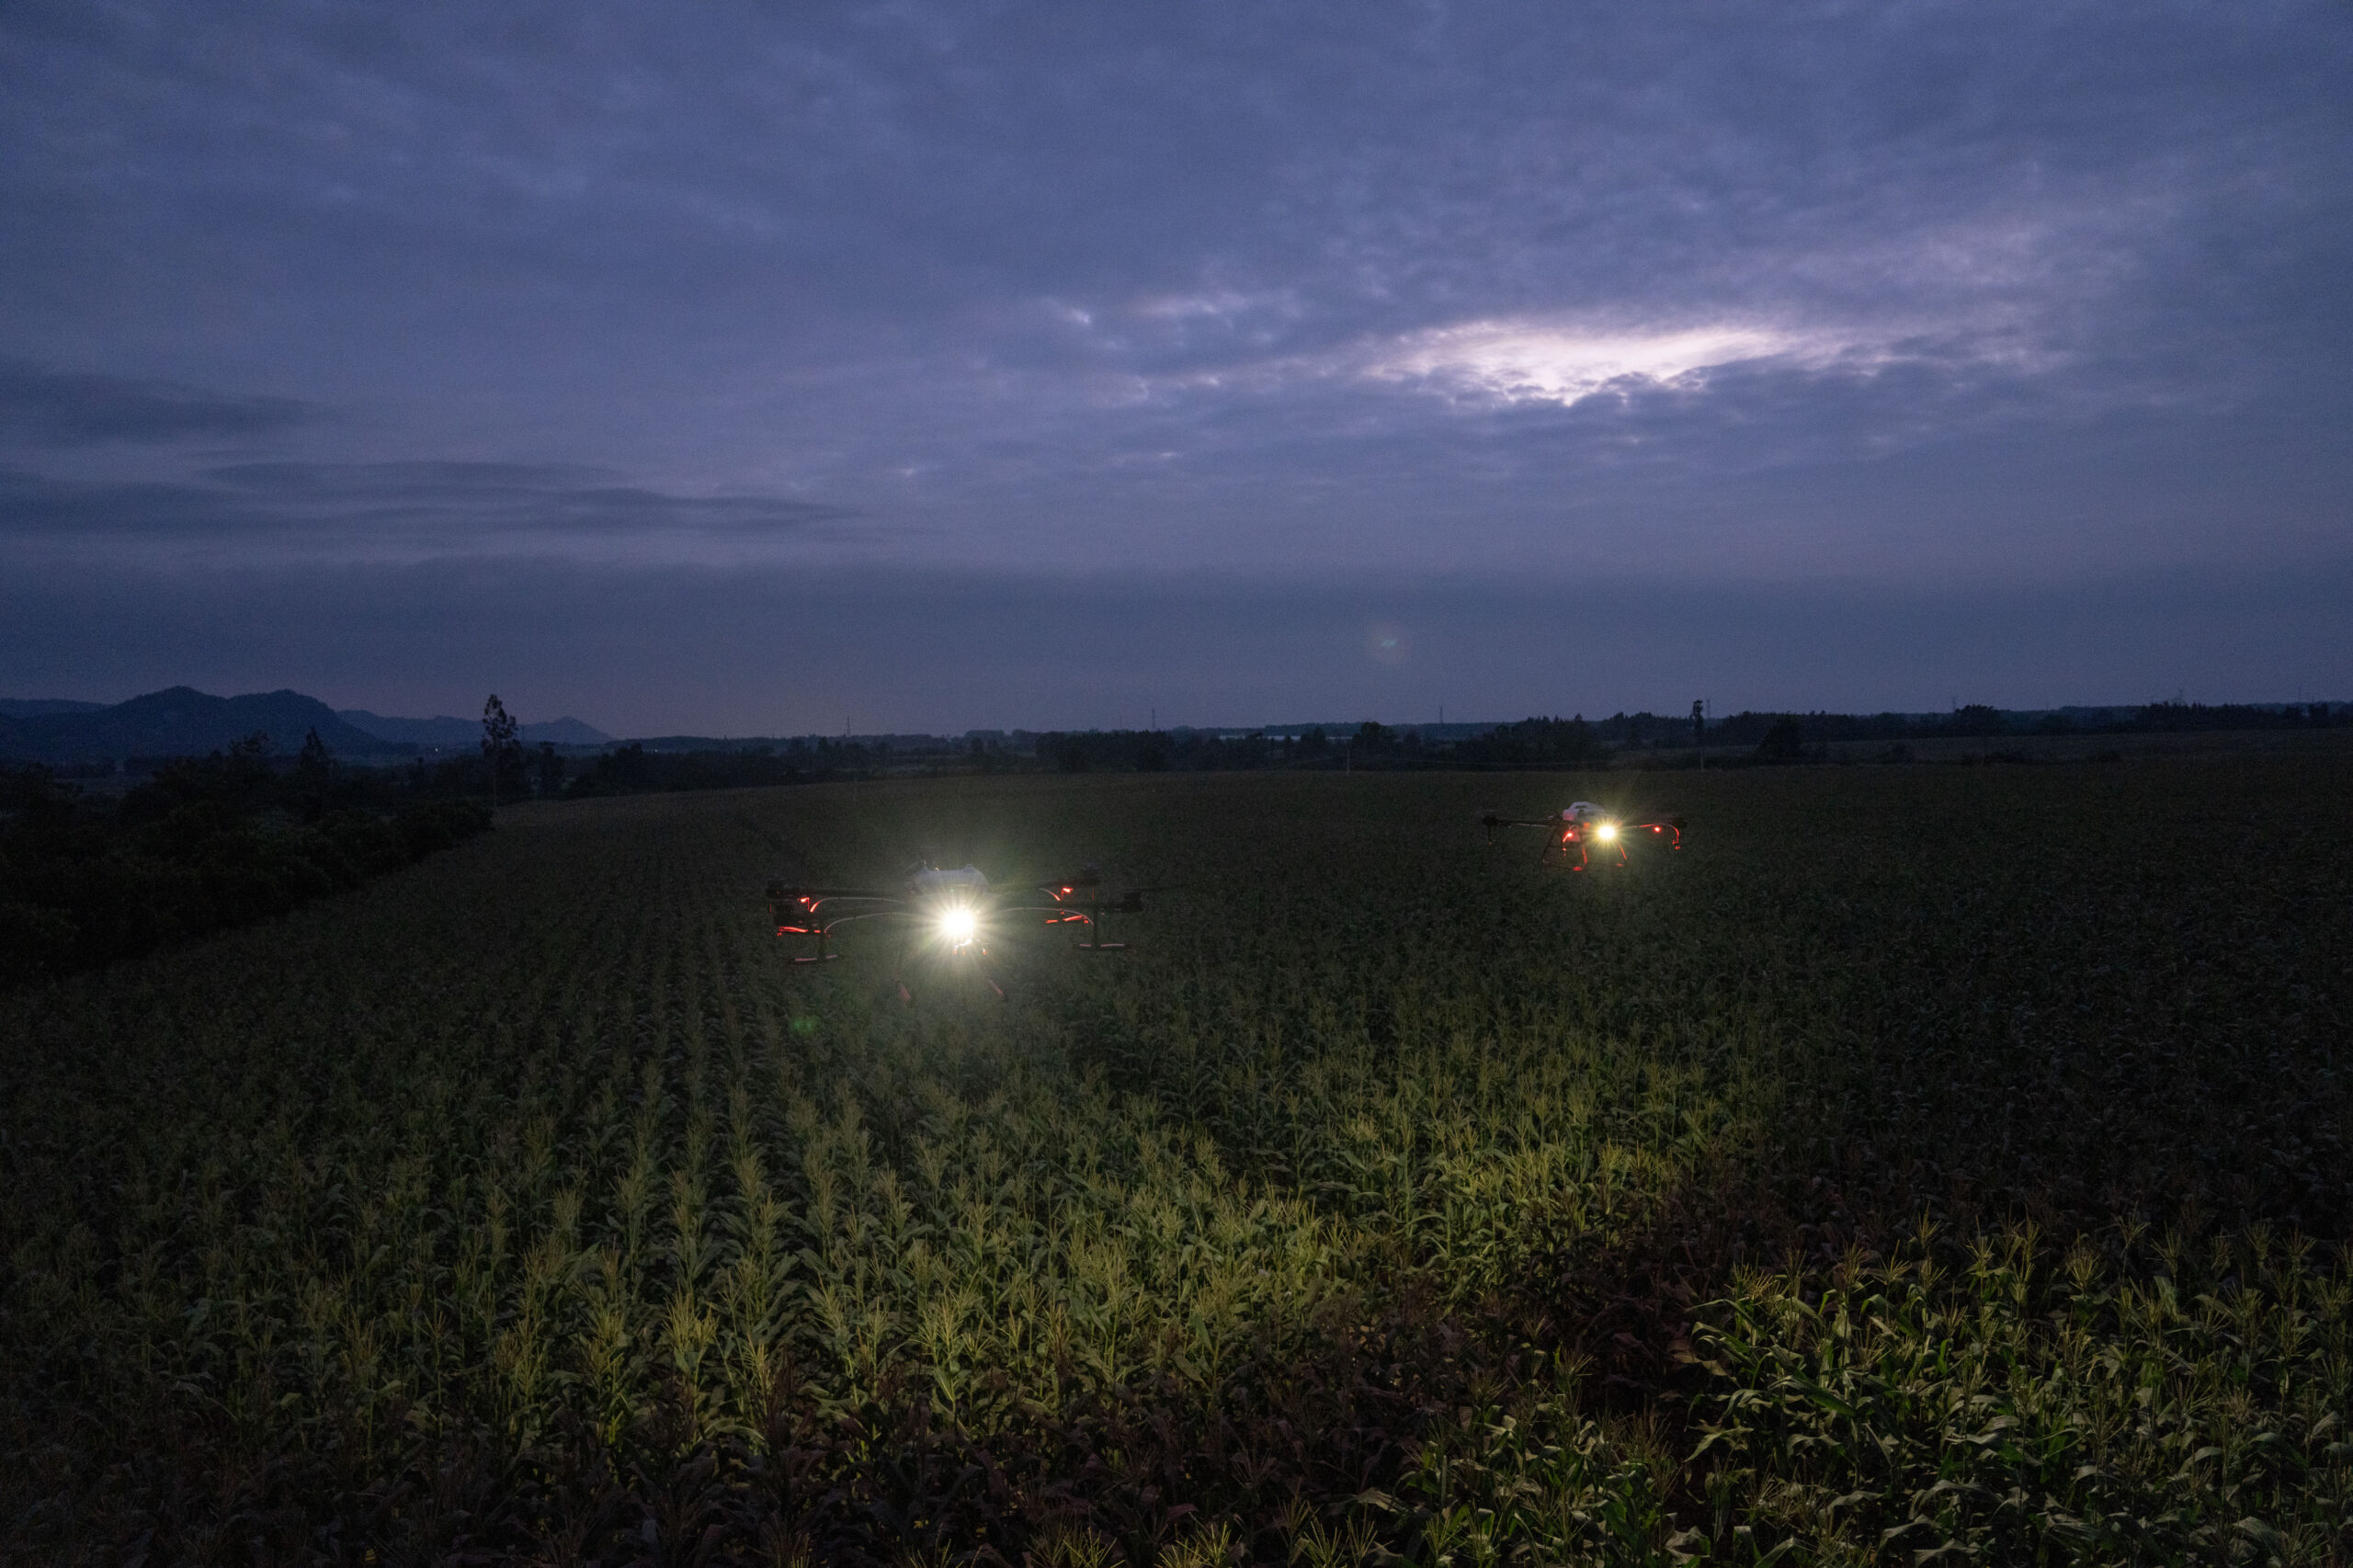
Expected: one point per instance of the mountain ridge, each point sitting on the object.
(444, 732)
(41, 707)
(181, 720)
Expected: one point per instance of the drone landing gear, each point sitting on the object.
(823, 955)
(1577, 854)
(981, 969)
(1096, 932)
(1569, 846)
(965, 962)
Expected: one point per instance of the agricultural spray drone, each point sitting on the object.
(1585, 827)
(951, 913)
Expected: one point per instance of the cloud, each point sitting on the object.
(1512, 361)
(412, 481)
(389, 511)
(66, 408)
(1358, 283)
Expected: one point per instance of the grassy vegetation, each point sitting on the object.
(1923, 1164)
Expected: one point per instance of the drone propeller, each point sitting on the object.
(780, 888)
(1132, 900)
(1079, 898)
(1083, 889)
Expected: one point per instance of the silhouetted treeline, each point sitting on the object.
(1780, 733)
(203, 845)
(1531, 743)
(2183, 716)
(1666, 739)
(632, 768)
(1161, 750)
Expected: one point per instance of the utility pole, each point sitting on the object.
(1699, 732)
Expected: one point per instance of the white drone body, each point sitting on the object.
(950, 909)
(1586, 825)
(1591, 817)
(931, 882)
(953, 899)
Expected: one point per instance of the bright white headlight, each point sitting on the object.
(958, 924)
(1606, 831)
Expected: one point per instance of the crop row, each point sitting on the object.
(1390, 1197)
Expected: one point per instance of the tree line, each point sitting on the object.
(203, 845)
(1750, 736)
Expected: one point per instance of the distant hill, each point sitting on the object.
(37, 707)
(181, 722)
(450, 733)
(565, 732)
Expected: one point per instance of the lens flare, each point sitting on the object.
(959, 924)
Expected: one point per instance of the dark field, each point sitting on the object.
(1926, 1165)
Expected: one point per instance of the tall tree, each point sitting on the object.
(314, 774)
(502, 745)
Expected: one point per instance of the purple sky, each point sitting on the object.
(747, 368)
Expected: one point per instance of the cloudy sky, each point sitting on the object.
(766, 368)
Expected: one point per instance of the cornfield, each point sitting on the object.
(1923, 1164)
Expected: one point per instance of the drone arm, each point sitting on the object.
(1056, 913)
(840, 921)
(800, 911)
(779, 890)
(1492, 821)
